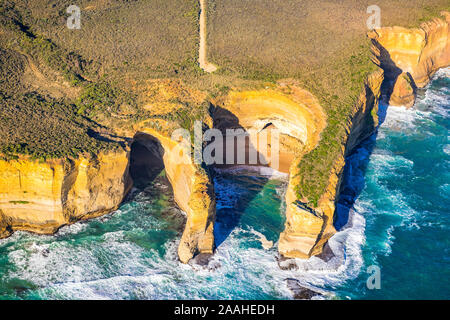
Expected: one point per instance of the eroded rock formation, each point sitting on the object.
(294, 112)
(299, 118)
(193, 193)
(43, 196)
(308, 229)
(418, 53)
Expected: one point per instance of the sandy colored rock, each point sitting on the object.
(403, 92)
(308, 229)
(193, 193)
(202, 50)
(420, 52)
(291, 110)
(300, 119)
(43, 196)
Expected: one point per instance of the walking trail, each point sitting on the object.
(202, 60)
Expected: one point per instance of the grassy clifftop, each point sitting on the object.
(64, 83)
(321, 43)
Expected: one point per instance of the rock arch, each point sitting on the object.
(192, 187)
(299, 118)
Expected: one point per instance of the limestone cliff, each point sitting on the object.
(193, 193)
(300, 119)
(418, 52)
(43, 196)
(408, 59)
(308, 229)
(286, 107)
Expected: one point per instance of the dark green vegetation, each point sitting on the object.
(321, 43)
(96, 74)
(39, 115)
(60, 83)
(44, 128)
(31, 124)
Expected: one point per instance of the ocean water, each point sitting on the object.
(393, 213)
(401, 177)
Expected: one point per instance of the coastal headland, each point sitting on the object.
(80, 126)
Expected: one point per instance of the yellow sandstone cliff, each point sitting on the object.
(294, 112)
(300, 119)
(308, 229)
(407, 57)
(193, 193)
(43, 196)
(415, 53)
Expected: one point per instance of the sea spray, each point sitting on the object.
(393, 214)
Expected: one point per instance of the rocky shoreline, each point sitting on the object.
(43, 196)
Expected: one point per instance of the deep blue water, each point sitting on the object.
(403, 177)
(393, 213)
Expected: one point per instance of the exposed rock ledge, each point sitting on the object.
(43, 196)
(416, 53)
(410, 57)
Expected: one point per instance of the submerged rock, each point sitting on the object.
(204, 260)
(300, 292)
(286, 263)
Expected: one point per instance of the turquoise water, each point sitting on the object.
(393, 213)
(403, 178)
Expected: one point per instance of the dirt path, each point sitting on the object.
(49, 83)
(202, 60)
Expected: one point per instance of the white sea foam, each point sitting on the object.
(446, 149)
(266, 244)
(260, 170)
(401, 118)
(112, 267)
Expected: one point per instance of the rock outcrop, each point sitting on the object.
(292, 111)
(299, 118)
(408, 58)
(403, 92)
(193, 193)
(418, 53)
(43, 196)
(308, 229)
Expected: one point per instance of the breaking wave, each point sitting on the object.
(392, 202)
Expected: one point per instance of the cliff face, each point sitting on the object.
(307, 230)
(292, 111)
(418, 53)
(299, 118)
(193, 193)
(43, 196)
(408, 58)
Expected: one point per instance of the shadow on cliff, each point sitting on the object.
(391, 71)
(356, 165)
(358, 158)
(234, 190)
(146, 159)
